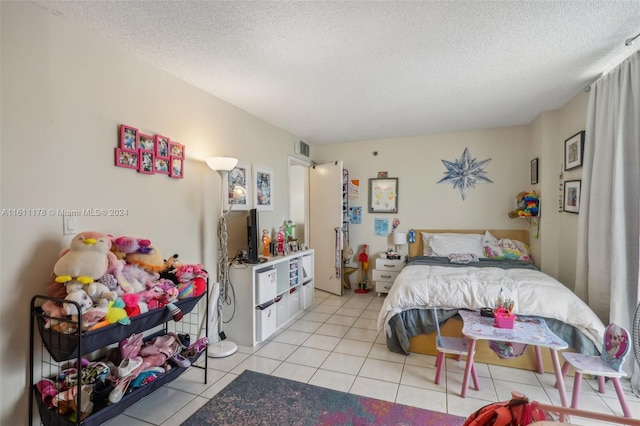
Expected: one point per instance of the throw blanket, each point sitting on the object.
(428, 282)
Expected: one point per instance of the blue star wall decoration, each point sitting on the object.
(465, 172)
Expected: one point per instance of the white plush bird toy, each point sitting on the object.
(87, 258)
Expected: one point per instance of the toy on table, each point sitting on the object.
(266, 240)
(86, 259)
(280, 249)
(289, 230)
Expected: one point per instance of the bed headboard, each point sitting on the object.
(416, 249)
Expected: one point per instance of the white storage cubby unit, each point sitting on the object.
(269, 295)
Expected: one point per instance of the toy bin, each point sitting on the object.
(504, 318)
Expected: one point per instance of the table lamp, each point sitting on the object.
(399, 239)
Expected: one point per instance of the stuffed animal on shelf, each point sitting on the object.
(128, 245)
(87, 258)
(152, 261)
(97, 291)
(171, 264)
(53, 310)
(82, 299)
(527, 205)
(115, 313)
(131, 278)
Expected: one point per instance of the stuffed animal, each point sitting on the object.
(95, 314)
(152, 261)
(133, 305)
(115, 314)
(188, 272)
(82, 299)
(170, 266)
(131, 278)
(53, 310)
(96, 290)
(531, 202)
(86, 260)
(128, 245)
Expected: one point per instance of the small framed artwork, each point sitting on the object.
(534, 171)
(263, 188)
(176, 149)
(161, 165)
(146, 142)
(145, 162)
(572, 196)
(383, 195)
(177, 167)
(126, 158)
(573, 151)
(237, 181)
(128, 138)
(161, 144)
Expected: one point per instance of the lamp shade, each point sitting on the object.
(399, 238)
(222, 163)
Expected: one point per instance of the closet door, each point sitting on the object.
(325, 225)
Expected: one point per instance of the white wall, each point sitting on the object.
(64, 94)
(424, 203)
(559, 230)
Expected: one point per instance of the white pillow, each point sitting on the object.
(445, 244)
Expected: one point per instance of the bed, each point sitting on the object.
(433, 281)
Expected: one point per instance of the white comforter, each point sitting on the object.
(534, 293)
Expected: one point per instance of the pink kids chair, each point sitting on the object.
(615, 347)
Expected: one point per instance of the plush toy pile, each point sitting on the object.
(114, 279)
(527, 205)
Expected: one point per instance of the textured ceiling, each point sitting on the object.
(340, 71)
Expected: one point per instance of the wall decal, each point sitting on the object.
(465, 173)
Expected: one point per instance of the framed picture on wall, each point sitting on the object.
(238, 181)
(383, 195)
(161, 165)
(573, 151)
(176, 149)
(126, 158)
(572, 196)
(128, 138)
(177, 167)
(534, 171)
(161, 145)
(146, 142)
(263, 188)
(146, 162)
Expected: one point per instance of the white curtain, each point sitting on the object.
(607, 276)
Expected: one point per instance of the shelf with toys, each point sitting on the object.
(101, 299)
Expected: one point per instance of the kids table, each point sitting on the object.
(527, 330)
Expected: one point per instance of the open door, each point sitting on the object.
(325, 225)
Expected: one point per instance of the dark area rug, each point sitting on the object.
(259, 399)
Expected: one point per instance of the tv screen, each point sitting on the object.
(252, 236)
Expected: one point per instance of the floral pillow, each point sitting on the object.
(505, 248)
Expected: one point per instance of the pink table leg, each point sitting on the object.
(539, 360)
(559, 378)
(467, 368)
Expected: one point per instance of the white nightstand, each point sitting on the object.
(386, 272)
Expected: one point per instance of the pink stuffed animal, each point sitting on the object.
(87, 258)
(132, 245)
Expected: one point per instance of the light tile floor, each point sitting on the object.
(335, 344)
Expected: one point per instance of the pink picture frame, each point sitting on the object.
(128, 138)
(176, 149)
(146, 142)
(126, 158)
(146, 162)
(162, 146)
(161, 165)
(176, 169)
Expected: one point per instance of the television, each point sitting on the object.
(252, 236)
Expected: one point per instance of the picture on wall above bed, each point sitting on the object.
(572, 196)
(465, 172)
(573, 150)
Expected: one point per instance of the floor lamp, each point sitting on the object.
(220, 294)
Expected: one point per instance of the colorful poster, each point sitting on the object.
(355, 215)
(381, 227)
(353, 189)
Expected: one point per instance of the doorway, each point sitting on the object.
(299, 197)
